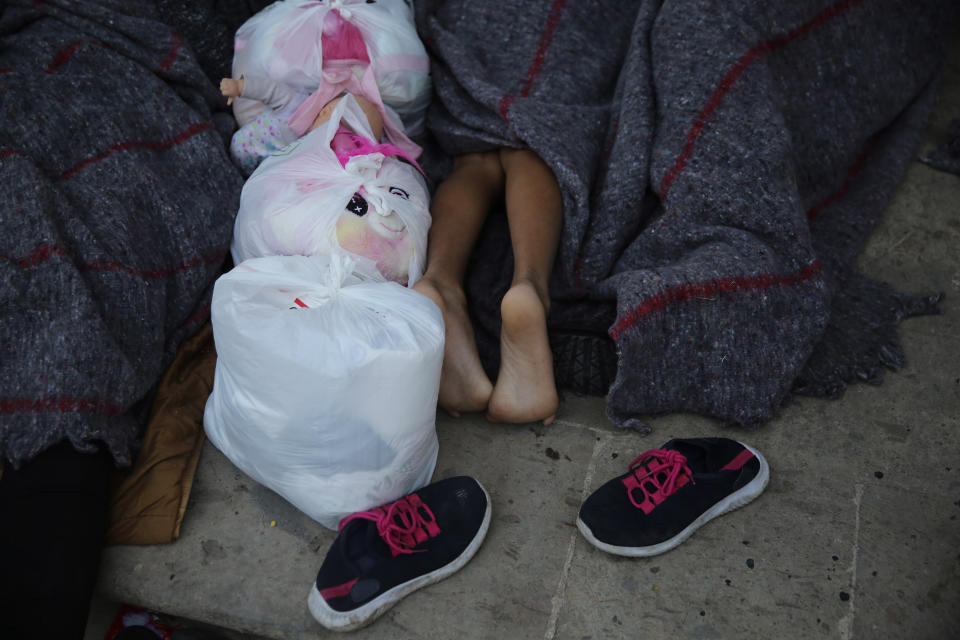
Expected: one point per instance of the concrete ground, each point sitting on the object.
(856, 536)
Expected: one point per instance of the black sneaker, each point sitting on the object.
(387, 553)
(671, 492)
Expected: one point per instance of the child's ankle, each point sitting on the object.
(541, 288)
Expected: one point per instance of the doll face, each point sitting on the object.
(384, 239)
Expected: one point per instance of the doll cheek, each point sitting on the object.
(392, 255)
(390, 228)
(351, 231)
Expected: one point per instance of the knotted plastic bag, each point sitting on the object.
(284, 42)
(326, 384)
(296, 203)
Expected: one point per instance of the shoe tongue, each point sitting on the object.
(363, 545)
(695, 454)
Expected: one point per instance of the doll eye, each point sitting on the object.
(357, 205)
(397, 191)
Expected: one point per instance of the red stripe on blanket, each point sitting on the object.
(63, 57)
(545, 41)
(684, 292)
(734, 73)
(99, 266)
(611, 140)
(129, 145)
(59, 405)
(39, 254)
(852, 174)
(174, 51)
(6, 70)
(505, 103)
(534, 70)
(44, 252)
(6, 153)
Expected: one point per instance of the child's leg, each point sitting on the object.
(525, 389)
(459, 208)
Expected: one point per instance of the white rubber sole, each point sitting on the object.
(365, 614)
(735, 500)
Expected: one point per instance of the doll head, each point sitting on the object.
(382, 238)
(374, 223)
(326, 193)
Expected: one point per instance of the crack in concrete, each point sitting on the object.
(559, 598)
(845, 624)
(570, 423)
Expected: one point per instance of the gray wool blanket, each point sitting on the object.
(117, 201)
(722, 164)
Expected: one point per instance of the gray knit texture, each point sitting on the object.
(733, 286)
(722, 164)
(117, 207)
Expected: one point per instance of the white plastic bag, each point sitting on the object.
(326, 385)
(283, 42)
(295, 203)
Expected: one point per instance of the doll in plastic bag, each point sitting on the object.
(336, 190)
(294, 57)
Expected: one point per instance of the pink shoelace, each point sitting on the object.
(402, 524)
(657, 473)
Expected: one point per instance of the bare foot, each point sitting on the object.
(525, 389)
(464, 386)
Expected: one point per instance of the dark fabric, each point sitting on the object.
(209, 26)
(137, 632)
(946, 155)
(53, 514)
(196, 634)
(722, 163)
(118, 205)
